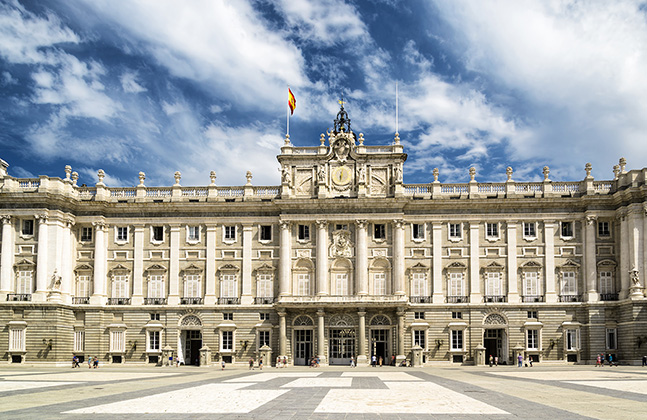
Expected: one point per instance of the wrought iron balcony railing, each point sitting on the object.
(83, 300)
(263, 300)
(118, 301)
(532, 298)
(19, 297)
(228, 301)
(458, 299)
(154, 301)
(420, 299)
(608, 296)
(191, 301)
(570, 298)
(495, 299)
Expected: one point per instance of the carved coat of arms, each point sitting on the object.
(341, 245)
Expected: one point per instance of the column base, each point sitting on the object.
(362, 360)
(97, 300)
(137, 300)
(40, 296)
(173, 300)
(513, 298)
(636, 293)
(210, 299)
(592, 297)
(551, 297)
(246, 300)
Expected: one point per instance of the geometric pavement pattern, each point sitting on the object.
(504, 392)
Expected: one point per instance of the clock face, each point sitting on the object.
(341, 175)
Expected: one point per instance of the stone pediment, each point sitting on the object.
(607, 263)
(570, 264)
(418, 267)
(531, 264)
(83, 267)
(265, 267)
(157, 267)
(457, 265)
(229, 267)
(493, 266)
(24, 262)
(119, 267)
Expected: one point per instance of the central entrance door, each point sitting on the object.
(380, 343)
(342, 345)
(494, 343)
(303, 347)
(192, 346)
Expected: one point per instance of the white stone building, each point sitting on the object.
(341, 260)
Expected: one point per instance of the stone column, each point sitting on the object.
(513, 282)
(174, 266)
(635, 241)
(624, 255)
(210, 272)
(7, 257)
(42, 259)
(321, 338)
(138, 265)
(246, 297)
(475, 284)
(398, 258)
(99, 274)
(400, 356)
(284, 260)
(283, 336)
(362, 259)
(67, 260)
(549, 232)
(437, 261)
(361, 350)
(644, 237)
(590, 262)
(322, 258)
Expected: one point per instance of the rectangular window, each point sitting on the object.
(227, 342)
(567, 229)
(193, 233)
(304, 232)
(604, 229)
(303, 284)
(455, 230)
(120, 286)
(230, 233)
(79, 341)
(156, 286)
(228, 316)
(418, 231)
(419, 338)
(266, 233)
(24, 281)
(117, 341)
(86, 234)
(456, 284)
(264, 316)
(17, 339)
(418, 315)
(492, 230)
(606, 282)
(263, 338)
(529, 230)
(27, 227)
(155, 317)
(83, 286)
(341, 227)
(157, 233)
(457, 315)
(612, 339)
(569, 284)
(572, 339)
(153, 340)
(457, 339)
(532, 314)
(533, 339)
(493, 285)
(228, 285)
(122, 233)
(341, 284)
(419, 284)
(379, 231)
(379, 284)
(264, 286)
(531, 283)
(192, 286)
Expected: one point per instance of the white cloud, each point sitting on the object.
(577, 67)
(129, 83)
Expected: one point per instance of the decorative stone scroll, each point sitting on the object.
(380, 320)
(495, 319)
(190, 321)
(341, 246)
(303, 321)
(341, 320)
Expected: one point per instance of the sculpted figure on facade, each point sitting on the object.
(397, 174)
(285, 176)
(341, 245)
(361, 175)
(341, 149)
(321, 175)
(635, 277)
(56, 281)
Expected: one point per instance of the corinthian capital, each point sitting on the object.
(6, 219)
(361, 224)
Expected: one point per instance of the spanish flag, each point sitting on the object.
(292, 102)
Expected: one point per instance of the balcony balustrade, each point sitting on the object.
(191, 301)
(263, 300)
(19, 297)
(84, 300)
(154, 301)
(608, 296)
(570, 298)
(532, 298)
(118, 301)
(495, 299)
(458, 299)
(420, 299)
(228, 301)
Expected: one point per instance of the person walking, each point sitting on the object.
(644, 361)
(491, 360)
(251, 363)
(75, 362)
(381, 361)
(598, 361)
(496, 360)
(373, 360)
(530, 360)
(285, 361)
(352, 362)
(90, 362)
(278, 361)
(260, 363)
(519, 360)
(222, 363)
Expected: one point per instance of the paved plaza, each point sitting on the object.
(503, 392)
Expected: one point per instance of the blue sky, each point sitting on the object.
(160, 86)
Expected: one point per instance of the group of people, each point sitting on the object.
(314, 362)
(494, 360)
(281, 363)
(520, 360)
(251, 363)
(92, 362)
(601, 358)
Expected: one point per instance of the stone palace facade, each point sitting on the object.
(341, 260)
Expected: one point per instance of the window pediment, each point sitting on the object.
(419, 267)
(570, 264)
(531, 265)
(25, 263)
(493, 266)
(607, 264)
(229, 268)
(265, 269)
(456, 265)
(83, 267)
(119, 268)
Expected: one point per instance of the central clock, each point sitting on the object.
(341, 175)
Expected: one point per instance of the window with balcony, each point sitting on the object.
(120, 286)
(156, 285)
(568, 285)
(83, 288)
(418, 284)
(494, 287)
(24, 282)
(264, 286)
(531, 289)
(228, 286)
(192, 285)
(456, 285)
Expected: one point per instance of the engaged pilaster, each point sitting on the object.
(210, 272)
(284, 259)
(246, 298)
(398, 257)
(42, 259)
(361, 349)
(138, 265)
(362, 259)
(321, 338)
(322, 258)
(99, 276)
(437, 261)
(283, 336)
(549, 232)
(590, 267)
(174, 266)
(475, 284)
(6, 258)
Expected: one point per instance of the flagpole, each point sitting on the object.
(396, 107)
(287, 114)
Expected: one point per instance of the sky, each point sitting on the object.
(193, 86)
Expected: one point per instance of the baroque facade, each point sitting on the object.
(341, 260)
